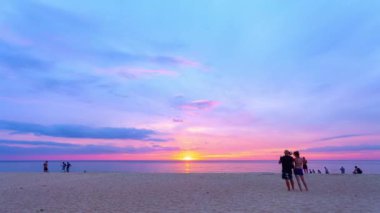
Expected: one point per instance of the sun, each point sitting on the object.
(187, 158)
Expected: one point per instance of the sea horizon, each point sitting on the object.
(180, 166)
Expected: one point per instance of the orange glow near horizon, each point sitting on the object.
(187, 156)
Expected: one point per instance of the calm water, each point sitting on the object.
(369, 167)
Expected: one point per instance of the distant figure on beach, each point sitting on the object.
(313, 171)
(319, 171)
(298, 170)
(342, 170)
(357, 170)
(68, 165)
(326, 171)
(286, 162)
(46, 169)
(310, 171)
(63, 166)
(305, 165)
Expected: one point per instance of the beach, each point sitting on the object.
(198, 192)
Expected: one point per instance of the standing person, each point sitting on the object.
(342, 170)
(305, 165)
(46, 169)
(68, 165)
(287, 166)
(298, 170)
(63, 166)
(326, 171)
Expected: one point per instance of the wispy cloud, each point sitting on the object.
(122, 57)
(176, 61)
(36, 143)
(76, 131)
(364, 147)
(10, 37)
(177, 120)
(198, 105)
(45, 147)
(343, 136)
(18, 60)
(133, 72)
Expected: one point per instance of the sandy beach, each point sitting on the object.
(234, 192)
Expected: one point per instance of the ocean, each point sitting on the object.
(270, 166)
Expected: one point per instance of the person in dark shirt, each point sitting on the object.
(68, 165)
(46, 169)
(342, 170)
(63, 166)
(287, 163)
(304, 166)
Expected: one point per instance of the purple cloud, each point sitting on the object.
(198, 105)
(342, 136)
(133, 72)
(364, 147)
(177, 120)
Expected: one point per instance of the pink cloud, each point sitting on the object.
(188, 62)
(179, 61)
(192, 63)
(199, 105)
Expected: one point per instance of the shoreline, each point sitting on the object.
(184, 167)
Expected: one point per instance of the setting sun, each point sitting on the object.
(187, 158)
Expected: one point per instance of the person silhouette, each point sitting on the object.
(342, 170)
(63, 166)
(287, 163)
(326, 171)
(357, 170)
(68, 165)
(45, 165)
(305, 168)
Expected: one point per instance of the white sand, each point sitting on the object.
(244, 192)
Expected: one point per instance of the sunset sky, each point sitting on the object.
(189, 79)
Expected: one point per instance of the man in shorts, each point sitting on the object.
(287, 163)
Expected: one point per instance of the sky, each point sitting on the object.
(189, 79)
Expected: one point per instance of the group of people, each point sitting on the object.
(357, 170)
(296, 165)
(65, 166)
